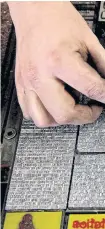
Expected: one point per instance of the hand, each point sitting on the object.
(53, 42)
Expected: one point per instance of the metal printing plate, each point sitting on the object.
(88, 183)
(42, 168)
(92, 136)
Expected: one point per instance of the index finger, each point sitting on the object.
(81, 76)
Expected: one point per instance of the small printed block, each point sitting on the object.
(92, 136)
(33, 220)
(88, 182)
(42, 168)
(86, 221)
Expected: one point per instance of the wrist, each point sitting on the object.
(22, 14)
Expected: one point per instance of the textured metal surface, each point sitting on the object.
(88, 184)
(44, 159)
(42, 168)
(92, 136)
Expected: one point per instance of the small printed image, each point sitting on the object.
(27, 222)
(33, 220)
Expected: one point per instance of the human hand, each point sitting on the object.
(53, 42)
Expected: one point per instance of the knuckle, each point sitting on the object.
(95, 113)
(95, 91)
(92, 116)
(55, 57)
(64, 119)
(32, 75)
